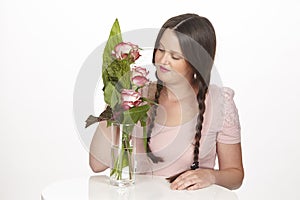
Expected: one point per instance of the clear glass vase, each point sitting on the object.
(123, 151)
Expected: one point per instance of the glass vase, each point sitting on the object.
(123, 150)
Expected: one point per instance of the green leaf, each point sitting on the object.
(91, 120)
(104, 78)
(111, 96)
(135, 114)
(118, 73)
(106, 114)
(115, 38)
(149, 101)
(108, 92)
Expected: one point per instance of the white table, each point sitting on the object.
(146, 187)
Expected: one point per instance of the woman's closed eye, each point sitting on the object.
(161, 50)
(176, 57)
(173, 56)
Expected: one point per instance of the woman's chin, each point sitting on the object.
(164, 77)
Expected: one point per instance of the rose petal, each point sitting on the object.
(140, 80)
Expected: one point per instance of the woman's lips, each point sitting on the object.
(163, 69)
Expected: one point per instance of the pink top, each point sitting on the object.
(175, 144)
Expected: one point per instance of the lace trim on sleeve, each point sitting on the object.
(231, 117)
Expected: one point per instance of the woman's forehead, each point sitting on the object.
(170, 41)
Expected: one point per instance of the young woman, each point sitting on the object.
(194, 122)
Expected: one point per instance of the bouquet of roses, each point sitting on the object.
(122, 88)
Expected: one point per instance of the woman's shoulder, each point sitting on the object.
(226, 114)
(224, 107)
(226, 93)
(220, 100)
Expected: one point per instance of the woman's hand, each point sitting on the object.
(229, 175)
(194, 179)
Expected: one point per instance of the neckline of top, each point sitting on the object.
(179, 125)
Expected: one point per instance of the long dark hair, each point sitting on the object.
(197, 40)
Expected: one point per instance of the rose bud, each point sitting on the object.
(139, 71)
(140, 80)
(130, 98)
(139, 76)
(122, 51)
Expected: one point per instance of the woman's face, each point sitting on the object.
(169, 61)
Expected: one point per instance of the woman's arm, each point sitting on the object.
(229, 175)
(231, 171)
(100, 148)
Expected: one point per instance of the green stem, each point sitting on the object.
(123, 158)
(117, 167)
(149, 101)
(126, 144)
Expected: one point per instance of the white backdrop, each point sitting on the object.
(43, 45)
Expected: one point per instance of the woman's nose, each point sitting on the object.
(165, 58)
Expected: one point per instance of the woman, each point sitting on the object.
(194, 122)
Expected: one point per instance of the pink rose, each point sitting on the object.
(139, 71)
(130, 98)
(138, 76)
(123, 49)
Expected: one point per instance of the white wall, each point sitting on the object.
(43, 45)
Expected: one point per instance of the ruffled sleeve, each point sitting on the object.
(230, 132)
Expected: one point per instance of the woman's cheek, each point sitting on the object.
(157, 57)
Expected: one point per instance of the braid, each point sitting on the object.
(201, 102)
(154, 158)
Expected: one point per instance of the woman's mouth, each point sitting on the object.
(163, 69)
